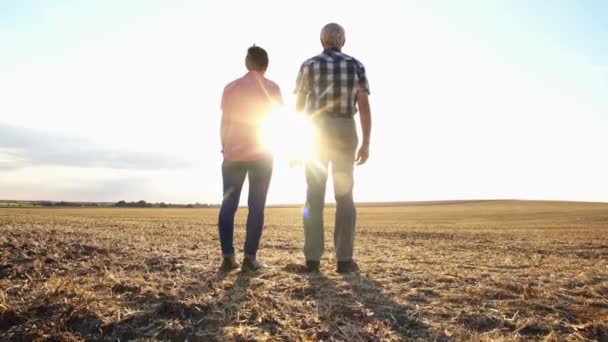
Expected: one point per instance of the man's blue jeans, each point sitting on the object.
(259, 173)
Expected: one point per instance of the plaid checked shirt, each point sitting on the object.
(329, 83)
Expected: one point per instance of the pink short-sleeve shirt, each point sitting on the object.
(246, 102)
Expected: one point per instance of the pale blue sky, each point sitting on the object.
(111, 100)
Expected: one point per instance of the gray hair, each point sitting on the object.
(333, 35)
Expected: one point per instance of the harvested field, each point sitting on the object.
(493, 270)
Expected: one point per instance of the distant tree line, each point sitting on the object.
(144, 204)
(138, 204)
(66, 204)
(119, 204)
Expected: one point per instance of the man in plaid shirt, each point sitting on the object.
(330, 87)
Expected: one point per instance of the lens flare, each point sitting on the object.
(288, 135)
(306, 212)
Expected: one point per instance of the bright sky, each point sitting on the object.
(110, 100)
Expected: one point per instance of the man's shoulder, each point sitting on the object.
(351, 58)
(336, 57)
(231, 85)
(272, 84)
(314, 59)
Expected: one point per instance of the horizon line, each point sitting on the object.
(329, 204)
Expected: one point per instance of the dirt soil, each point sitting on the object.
(487, 270)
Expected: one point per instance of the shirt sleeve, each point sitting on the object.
(362, 82)
(303, 80)
(223, 101)
(277, 95)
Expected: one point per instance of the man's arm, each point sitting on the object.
(302, 88)
(223, 129)
(224, 123)
(366, 126)
(300, 102)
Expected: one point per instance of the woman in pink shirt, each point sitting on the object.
(246, 102)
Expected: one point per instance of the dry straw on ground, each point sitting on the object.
(463, 271)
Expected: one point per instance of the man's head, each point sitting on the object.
(257, 59)
(333, 36)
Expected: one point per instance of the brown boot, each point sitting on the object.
(228, 264)
(312, 266)
(347, 267)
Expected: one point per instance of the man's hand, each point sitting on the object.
(365, 115)
(294, 162)
(363, 154)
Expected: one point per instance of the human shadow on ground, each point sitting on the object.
(399, 316)
(174, 318)
(358, 310)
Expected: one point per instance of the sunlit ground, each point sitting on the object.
(468, 271)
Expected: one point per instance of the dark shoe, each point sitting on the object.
(347, 267)
(229, 264)
(312, 266)
(251, 265)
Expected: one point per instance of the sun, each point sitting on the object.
(288, 135)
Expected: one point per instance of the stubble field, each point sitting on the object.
(489, 270)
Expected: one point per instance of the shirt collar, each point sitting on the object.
(331, 49)
(254, 74)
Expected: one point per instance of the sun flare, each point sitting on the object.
(288, 135)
